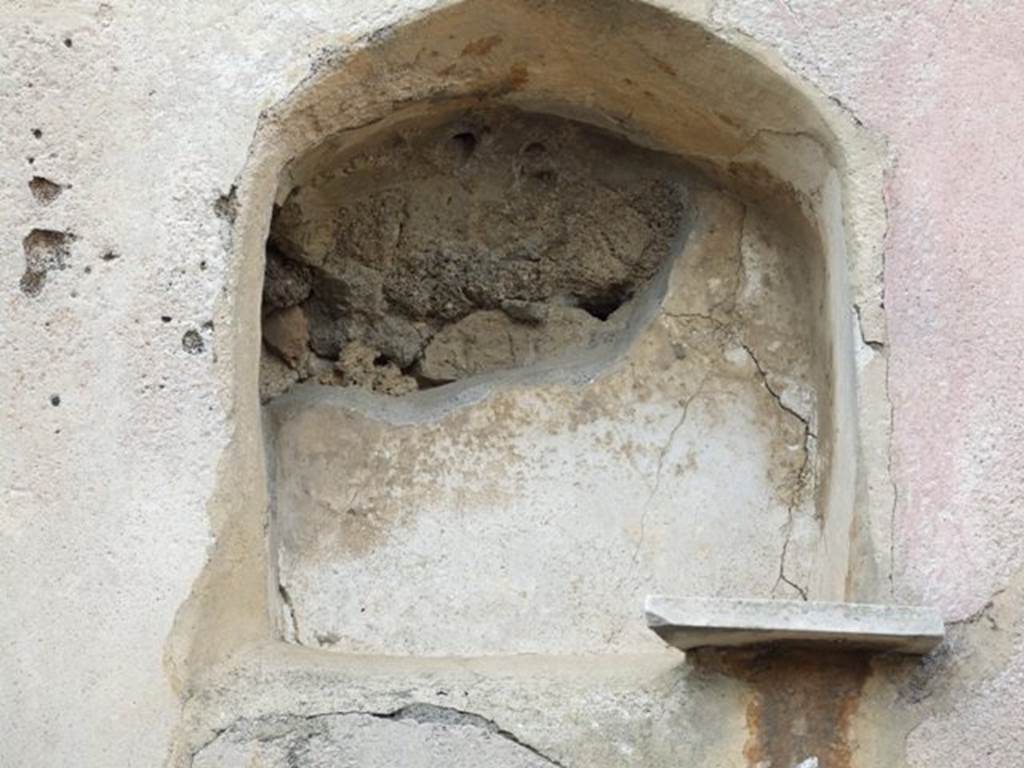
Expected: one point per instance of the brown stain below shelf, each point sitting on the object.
(801, 705)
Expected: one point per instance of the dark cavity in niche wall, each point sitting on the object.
(493, 240)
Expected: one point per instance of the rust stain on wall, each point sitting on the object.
(802, 703)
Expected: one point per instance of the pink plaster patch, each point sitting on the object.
(955, 268)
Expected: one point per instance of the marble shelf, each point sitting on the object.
(696, 622)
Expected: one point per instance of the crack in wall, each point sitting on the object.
(895, 493)
(984, 612)
(290, 612)
(773, 392)
(661, 463)
(756, 136)
(790, 512)
(802, 474)
(433, 713)
(809, 434)
(645, 512)
(417, 712)
(888, 392)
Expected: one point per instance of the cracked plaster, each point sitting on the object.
(472, 505)
(96, 687)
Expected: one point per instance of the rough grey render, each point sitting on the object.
(493, 240)
(638, 711)
(415, 735)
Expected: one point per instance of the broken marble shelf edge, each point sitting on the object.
(688, 623)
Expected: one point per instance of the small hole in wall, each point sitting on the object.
(464, 144)
(44, 190)
(192, 342)
(537, 165)
(68, 42)
(602, 306)
(55, 400)
(46, 250)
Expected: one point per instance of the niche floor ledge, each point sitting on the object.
(694, 622)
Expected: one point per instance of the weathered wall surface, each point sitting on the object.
(538, 517)
(125, 125)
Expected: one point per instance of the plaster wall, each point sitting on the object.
(535, 509)
(120, 406)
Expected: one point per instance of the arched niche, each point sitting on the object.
(761, 142)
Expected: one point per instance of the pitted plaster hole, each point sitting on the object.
(45, 250)
(44, 190)
(536, 165)
(192, 342)
(464, 144)
(226, 205)
(527, 239)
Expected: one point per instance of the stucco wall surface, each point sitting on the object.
(115, 408)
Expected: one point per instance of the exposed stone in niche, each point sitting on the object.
(493, 240)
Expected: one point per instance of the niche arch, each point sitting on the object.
(663, 82)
